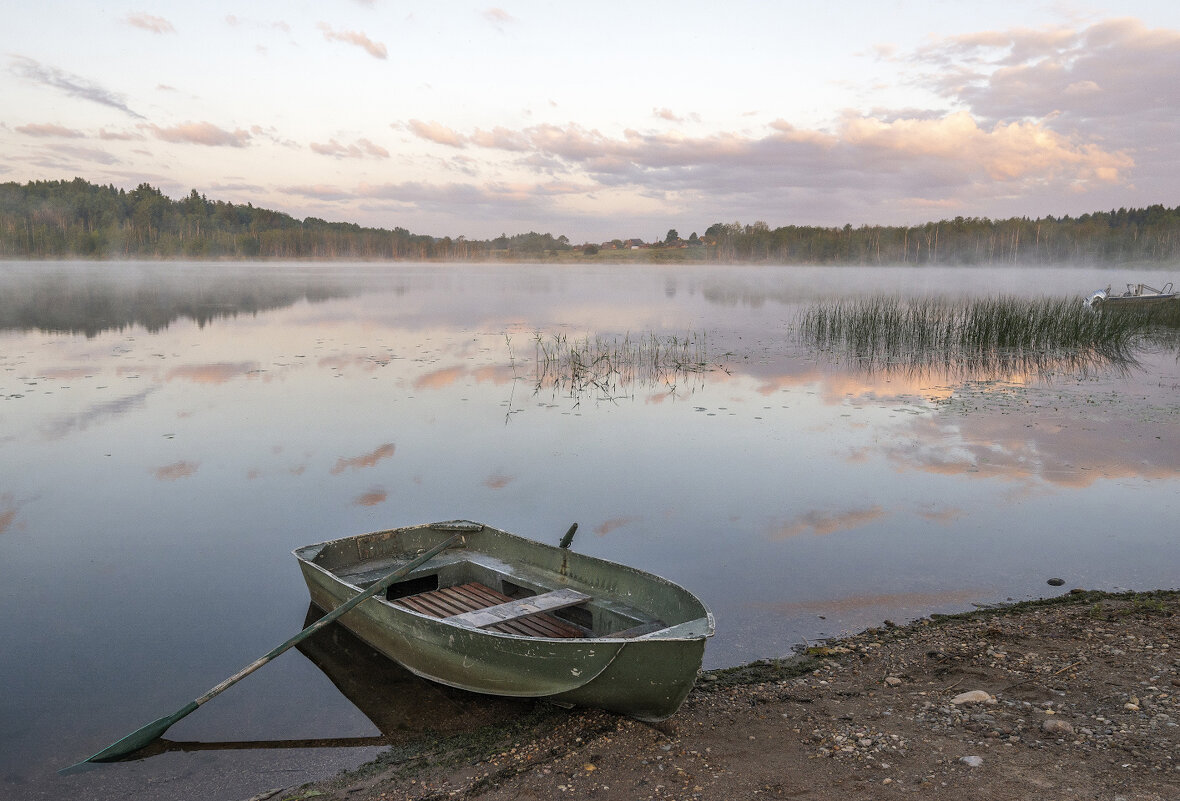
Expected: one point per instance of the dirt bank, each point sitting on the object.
(1074, 698)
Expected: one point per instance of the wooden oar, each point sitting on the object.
(146, 734)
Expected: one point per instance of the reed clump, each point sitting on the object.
(1003, 332)
(613, 366)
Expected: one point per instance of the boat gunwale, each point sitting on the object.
(710, 623)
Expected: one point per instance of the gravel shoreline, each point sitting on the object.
(1072, 697)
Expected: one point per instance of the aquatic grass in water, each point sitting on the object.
(612, 367)
(983, 334)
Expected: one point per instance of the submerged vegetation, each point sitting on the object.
(982, 335)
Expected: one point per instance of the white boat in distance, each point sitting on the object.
(1137, 296)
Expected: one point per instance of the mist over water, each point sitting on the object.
(170, 432)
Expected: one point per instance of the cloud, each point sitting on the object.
(67, 83)
(362, 148)
(498, 17)
(85, 153)
(499, 139)
(200, 133)
(437, 133)
(49, 129)
(119, 136)
(920, 157)
(322, 192)
(149, 23)
(374, 49)
(1114, 78)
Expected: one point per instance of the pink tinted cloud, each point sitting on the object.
(49, 129)
(201, 133)
(436, 132)
(374, 49)
(117, 136)
(362, 148)
(498, 17)
(149, 23)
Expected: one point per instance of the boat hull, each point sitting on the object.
(646, 677)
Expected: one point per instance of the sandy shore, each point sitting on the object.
(1072, 698)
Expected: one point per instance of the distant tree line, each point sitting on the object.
(1150, 234)
(59, 219)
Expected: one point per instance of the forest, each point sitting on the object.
(78, 219)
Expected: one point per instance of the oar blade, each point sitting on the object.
(137, 739)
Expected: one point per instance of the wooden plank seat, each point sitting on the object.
(464, 599)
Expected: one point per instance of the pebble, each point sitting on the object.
(1057, 726)
(892, 681)
(973, 697)
(1056, 582)
(972, 761)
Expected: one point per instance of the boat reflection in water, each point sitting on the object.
(399, 704)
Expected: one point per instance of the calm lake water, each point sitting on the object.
(170, 432)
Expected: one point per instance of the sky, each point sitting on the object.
(603, 120)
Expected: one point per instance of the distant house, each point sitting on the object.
(634, 244)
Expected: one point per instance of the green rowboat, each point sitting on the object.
(503, 615)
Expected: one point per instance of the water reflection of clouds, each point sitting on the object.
(67, 373)
(8, 508)
(944, 515)
(216, 373)
(96, 413)
(613, 524)
(820, 523)
(374, 497)
(365, 460)
(1069, 451)
(838, 388)
(366, 362)
(442, 378)
(498, 480)
(856, 603)
(439, 379)
(176, 470)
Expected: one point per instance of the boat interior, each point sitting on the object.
(477, 590)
